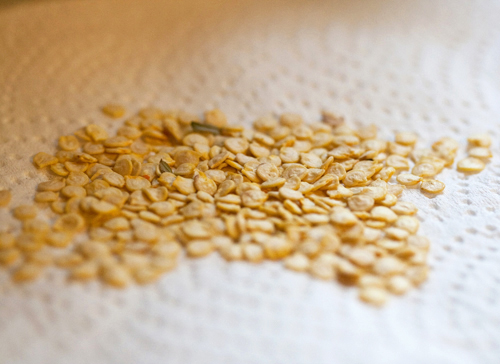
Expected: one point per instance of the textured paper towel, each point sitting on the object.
(428, 66)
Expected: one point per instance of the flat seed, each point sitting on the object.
(5, 197)
(276, 248)
(432, 186)
(470, 165)
(27, 272)
(53, 185)
(114, 111)
(404, 208)
(58, 239)
(85, 271)
(406, 138)
(137, 183)
(397, 162)
(199, 248)
(398, 285)
(46, 196)
(6, 240)
(253, 253)
(480, 140)
(114, 179)
(289, 194)
(73, 191)
(373, 295)
(342, 216)
(116, 276)
(77, 179)
(355, 178)
(424, 170)
(383, 213)
(360, 203)
(42, 160)
(322, 269)
(96, 133)
(480, 152)
(388, 266)
(408, 179)
(25, 212)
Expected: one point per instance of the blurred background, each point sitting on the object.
(426, 66)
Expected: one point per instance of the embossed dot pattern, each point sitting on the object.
(425, 66)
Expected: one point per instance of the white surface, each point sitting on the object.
(428, 66)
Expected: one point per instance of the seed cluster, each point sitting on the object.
(319, 196)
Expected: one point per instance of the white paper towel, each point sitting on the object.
(428, 66)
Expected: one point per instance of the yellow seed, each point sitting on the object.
(423, 170)
(480, 140)
(58, 239)
(432, 186)
(42, 258)
(68, 143)
(53, 185)
(253, 253)
(408, 179)
(470, 165)
(199, 248)
(406, 138)
(360, 203)
(25, 212)
(343, 217)
(69, 260)
(70, 223)
(397, 162)
(75, 166)
(9, 256)
(236, 145)
(103, 207)
(116, 276)
(388, 266)
(96, 133)
(398, 284)
(231, 252)
(73, 191)
(276, 248)
(27, 272)
(289, 194)
(5, 197)
(373, 295)
(85, 271)
(114, 179)
(6, 240)
(408, 223)
(113, 110)
(149, 216)
(46, 196)
(396, 233)
(369, 280)
(35, 226)
(77, 179)
(404, 208)
(355, 178)
(480, 152)
(396, 190)
(42, 160)
(322, 269)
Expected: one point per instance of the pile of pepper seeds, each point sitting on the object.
(321, 197)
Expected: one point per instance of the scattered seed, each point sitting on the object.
(471, 165)
(5, 197)
(314, 195)
(432, 186)
(114, 111)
